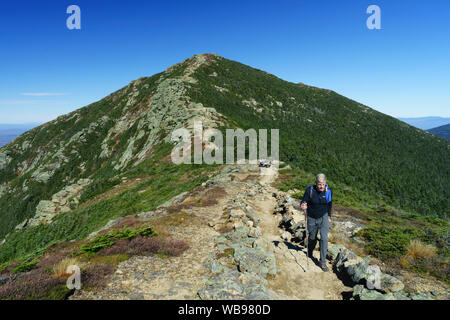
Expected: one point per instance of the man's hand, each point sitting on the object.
(304, 206)
(329, 219)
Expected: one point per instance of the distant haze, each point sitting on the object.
(426, 123)
(8, 131)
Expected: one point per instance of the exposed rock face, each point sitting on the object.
(5, 159)
(171, 109)
(61, 202)
(3, 189)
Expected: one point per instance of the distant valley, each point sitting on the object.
(8, 132)
(426, 123)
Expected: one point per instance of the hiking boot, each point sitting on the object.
(324, 267)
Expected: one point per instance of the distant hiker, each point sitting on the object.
(317, 202)
(265, 164)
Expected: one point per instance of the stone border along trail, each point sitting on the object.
(250, 261)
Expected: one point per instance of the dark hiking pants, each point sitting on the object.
(314, 225)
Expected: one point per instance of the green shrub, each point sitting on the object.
(108, 240)
(388, 242)
(25, 266)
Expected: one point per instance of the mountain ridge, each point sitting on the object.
(128, 132)
(441, 131)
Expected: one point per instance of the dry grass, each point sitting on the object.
(129, 221)
(181, 218)
(404, 262)
(418, 250)
(60, 269)
(207, 199)
(216, 192)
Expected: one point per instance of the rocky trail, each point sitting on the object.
(238, 250)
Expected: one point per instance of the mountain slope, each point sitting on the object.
(442, 131)
(67, 178)
(96, 143)
(356, 146)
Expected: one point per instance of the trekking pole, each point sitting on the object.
(307, 240)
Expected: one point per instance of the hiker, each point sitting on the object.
(317, 202)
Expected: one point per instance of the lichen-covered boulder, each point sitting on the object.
(254, 260)
(333, 250)
(390, 283)
(361, 293)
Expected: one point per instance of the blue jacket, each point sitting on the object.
(319, 203)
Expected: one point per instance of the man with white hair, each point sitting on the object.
(317, 202)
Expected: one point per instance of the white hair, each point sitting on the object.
(321, 178)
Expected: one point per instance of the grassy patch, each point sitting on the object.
(25, 266)
(108, 240)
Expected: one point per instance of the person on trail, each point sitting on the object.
(317, 202)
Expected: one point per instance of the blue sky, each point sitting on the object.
(48, 70)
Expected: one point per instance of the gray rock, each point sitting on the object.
(5, 159)
(220, 239)
(300, 234)
(362, 293)
(233, 285)
(254, 232)
(421, 296)
(252, 216)
(296, 226)
(344, 256)
(286, 236)
(22, 225)
(334, 250)
(390, 283)
(262, 244)
(223, 286)
(215, 267)
(251, 278)
(401, 295)
(222, 247)
(237, 234)
(254, 260)
(259, 295)
(363, 272)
